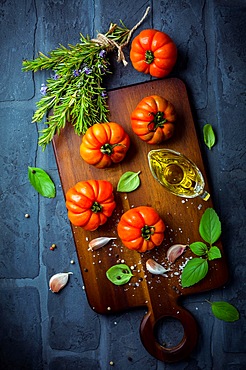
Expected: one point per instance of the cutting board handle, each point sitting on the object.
(169, 354)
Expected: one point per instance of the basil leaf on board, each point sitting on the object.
(199, 248)
(208, 135)
(119, 274)
(194, 271)
(210, 226)
(41, 182)
(129, 181)
(214, 253)
(224, 311)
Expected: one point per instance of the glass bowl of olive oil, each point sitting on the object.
(177, 173)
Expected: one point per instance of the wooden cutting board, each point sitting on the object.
(160, 295)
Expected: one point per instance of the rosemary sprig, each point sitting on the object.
(75, 92)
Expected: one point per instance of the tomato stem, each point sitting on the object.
(147, 231)
(158, 121)
(96, 207)
(149, 57)
(108, 148)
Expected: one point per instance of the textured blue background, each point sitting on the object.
(41, 330)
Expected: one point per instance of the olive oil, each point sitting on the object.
(177, 173)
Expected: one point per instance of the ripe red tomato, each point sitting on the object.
(90, 203)
(153, 120)
(141, 229)
(153, 52)
(104, 144)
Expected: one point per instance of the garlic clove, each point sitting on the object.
(155, 268)
(98, 243)
(58, 281)
(175, 251)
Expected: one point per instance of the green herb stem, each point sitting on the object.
(75, 94)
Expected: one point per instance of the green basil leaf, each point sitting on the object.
(199, 248)
(41, 182)
(129, 181)
(119, 274)
(208, 136)
(194, 271)
(210, 226)
(224, 311)
(214, 253)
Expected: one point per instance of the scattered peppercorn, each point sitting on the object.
(111, 363)
(175, 289)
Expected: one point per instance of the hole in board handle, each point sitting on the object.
(169, 332)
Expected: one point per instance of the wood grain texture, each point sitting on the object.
(182, 216)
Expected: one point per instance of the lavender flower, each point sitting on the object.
(101, 68)
(87, 70)
(104, 94)
(102, 53)
(43, 89)
(76, 72)
(55, 76)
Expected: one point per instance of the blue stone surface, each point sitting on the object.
(43, 330)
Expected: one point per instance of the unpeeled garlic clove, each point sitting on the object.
(175, 251)
(98, 243)
(58, 281)
(155, 268)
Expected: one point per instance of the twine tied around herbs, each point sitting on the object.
(109, 44)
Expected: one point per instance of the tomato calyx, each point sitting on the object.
(96, 207)
(149, 57)
(158, 121)
(108, 148)
(147, 231)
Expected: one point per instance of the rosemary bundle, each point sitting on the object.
(75, 93)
